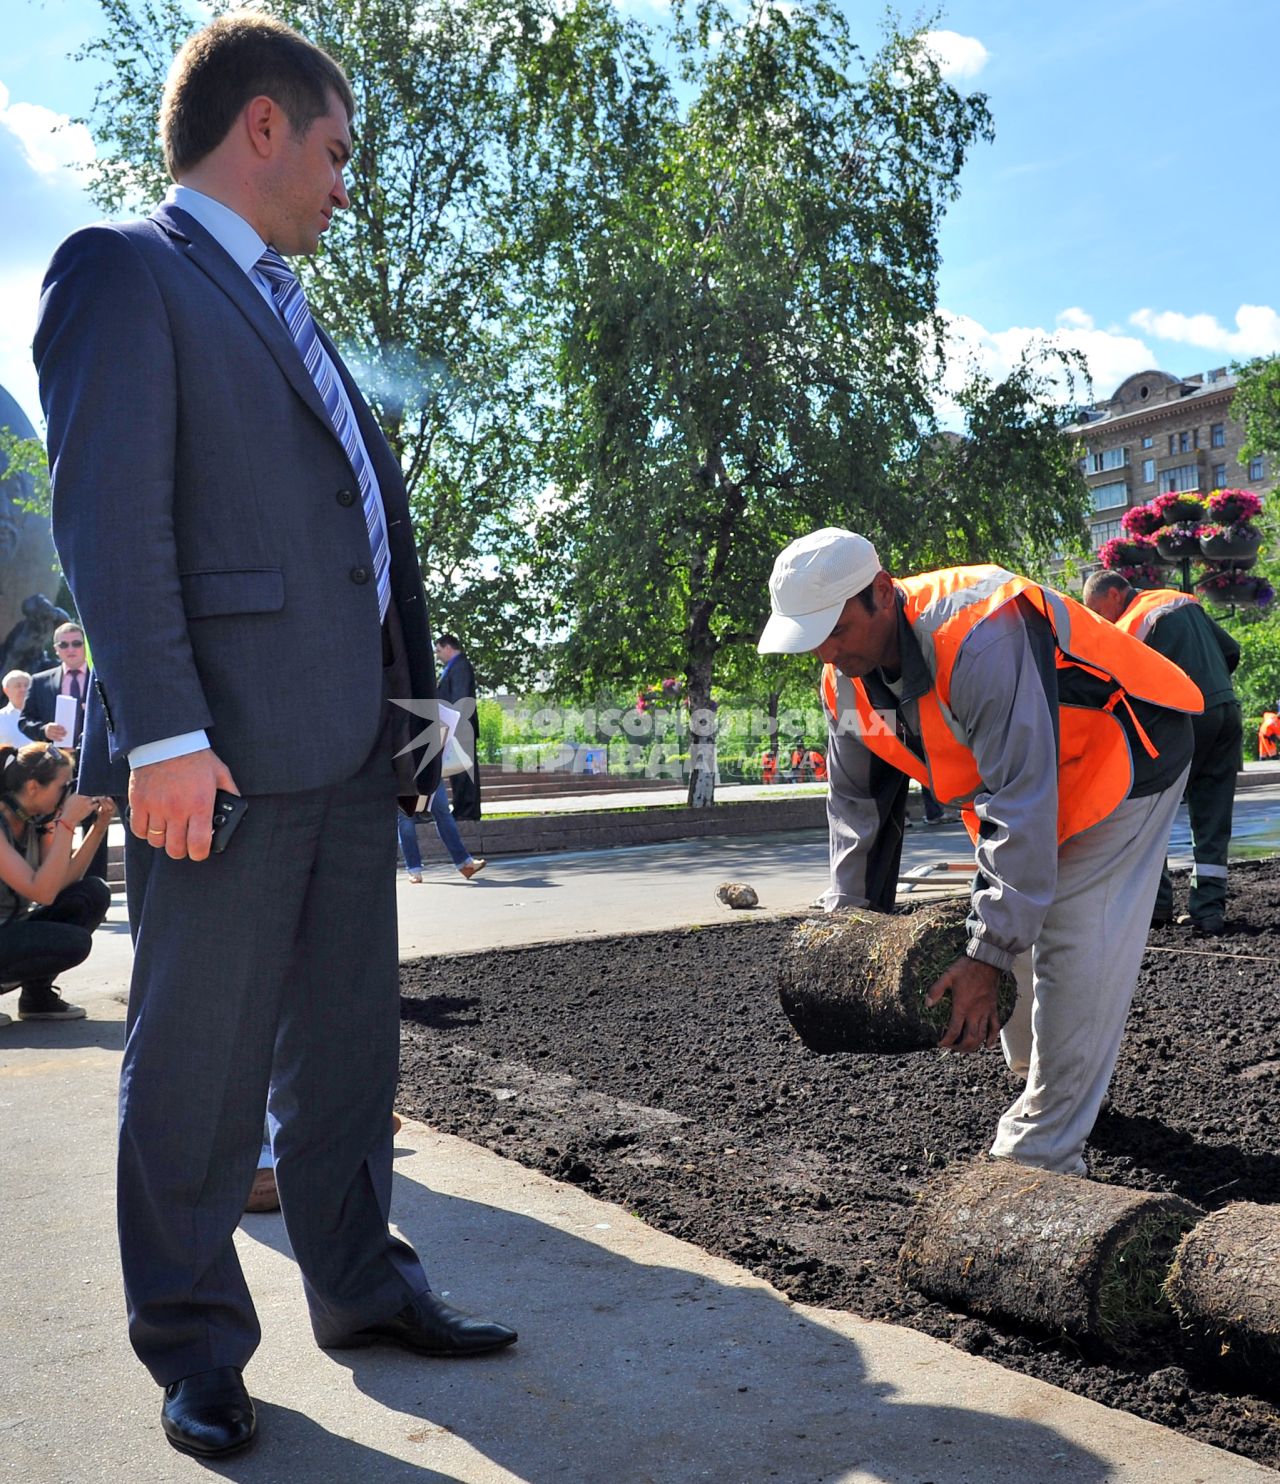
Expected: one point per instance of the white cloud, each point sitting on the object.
(957, 56)
(1111, 355)
(43, 191)
(1257, 331)
(50, 141)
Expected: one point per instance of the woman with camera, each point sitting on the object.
(49, 906)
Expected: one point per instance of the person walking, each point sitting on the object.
(457, 684)
(1044, 724)
(407, 834)
(222, 496)
(1176, 626)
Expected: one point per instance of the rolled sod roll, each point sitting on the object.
(1225, 1284)
(1052, 1251)
(856, 981)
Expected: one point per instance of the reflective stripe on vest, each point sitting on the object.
(1148, 607)
(1095, 770)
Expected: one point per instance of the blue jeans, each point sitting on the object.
(408, 841)
(446, 827)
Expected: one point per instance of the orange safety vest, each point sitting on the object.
(769, 767)
(1267, 732)
(1095, 771)
(1140, 616)
(819, 764)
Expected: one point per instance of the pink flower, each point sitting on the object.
(1141, 520)
(1230, 507)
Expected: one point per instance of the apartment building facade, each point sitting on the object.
(1160, 432)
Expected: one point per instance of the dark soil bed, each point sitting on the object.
(659, 1072)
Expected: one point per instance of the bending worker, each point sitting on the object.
(1041, 722)
(1175, 625)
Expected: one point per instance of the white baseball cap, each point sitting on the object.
(812, 580)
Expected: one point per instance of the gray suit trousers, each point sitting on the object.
(272, 965)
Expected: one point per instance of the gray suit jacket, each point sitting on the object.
(209, 522)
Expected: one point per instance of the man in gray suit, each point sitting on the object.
(223, 497)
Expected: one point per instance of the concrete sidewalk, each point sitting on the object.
(641, 1361)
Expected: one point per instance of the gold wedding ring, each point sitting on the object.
(155, 832)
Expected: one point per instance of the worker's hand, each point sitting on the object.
(975, 1022)
(171, 803)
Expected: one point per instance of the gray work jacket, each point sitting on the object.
(1005, 695)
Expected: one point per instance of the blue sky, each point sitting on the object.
(1126, 206)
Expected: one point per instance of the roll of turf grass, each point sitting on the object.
(1054, 1252)
(1225, 1287)
(856, 981)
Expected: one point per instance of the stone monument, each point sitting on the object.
(28, 565)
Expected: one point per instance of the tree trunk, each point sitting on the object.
(702, 737)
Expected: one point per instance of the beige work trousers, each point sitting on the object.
(1076, 982)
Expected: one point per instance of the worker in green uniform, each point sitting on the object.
(1177, 627)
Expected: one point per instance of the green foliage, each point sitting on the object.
(24, 461)
(1257, 678)
(415, 281)
(1010, 490)
(489, 728)
(1256, 406)
(744, 291)
(634, 310)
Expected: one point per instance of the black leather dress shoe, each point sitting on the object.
(209, 1414)
(431, 1327)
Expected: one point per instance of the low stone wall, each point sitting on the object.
(539, 834)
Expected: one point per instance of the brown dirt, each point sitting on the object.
(658, 1071)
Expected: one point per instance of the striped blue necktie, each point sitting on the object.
(292, 304)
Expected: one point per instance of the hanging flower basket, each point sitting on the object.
(1234, 543)
(1141, 520)
(1127, 551)
(1233, 587)
(1179, 508)
(1177, 541)
(1232, 507)
(1144, 576)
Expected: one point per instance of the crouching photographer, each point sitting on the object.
(49, 905)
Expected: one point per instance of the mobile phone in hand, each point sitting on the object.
(228, 811)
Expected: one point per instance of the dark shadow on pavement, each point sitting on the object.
(61, 1035)
(288, 1439)
(629, 1372)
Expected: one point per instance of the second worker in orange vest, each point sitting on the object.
(1175, 625)
(1066, 745)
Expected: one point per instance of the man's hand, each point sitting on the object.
(171, 803)
(54, 733)
(975, 1022)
